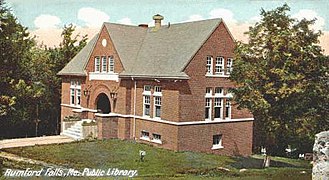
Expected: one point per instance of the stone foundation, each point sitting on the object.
(320, 169)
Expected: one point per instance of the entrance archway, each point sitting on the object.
(103, 103)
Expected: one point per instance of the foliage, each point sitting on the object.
(30, 88)
(281, 75)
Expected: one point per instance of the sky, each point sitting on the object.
(46, 18)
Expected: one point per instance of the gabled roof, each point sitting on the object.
(144, 52)
(78, 64)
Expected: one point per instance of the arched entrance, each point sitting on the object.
(103, 103)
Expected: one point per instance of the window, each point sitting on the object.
(218, 108)
(147, 88)
(218, 91)
(78, 96)
(111, 64)
(229, 65)
(228, 109)
(157, 138)
(72, 96)
(157, 106)
(209, 64)
(208, 109)
(97, 64)
(104, 64)
(145, 135)
(219, 66)
(147, 103)
(75, 93)
(157, 89)
(217, 141)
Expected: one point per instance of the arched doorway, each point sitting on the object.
(103, 104)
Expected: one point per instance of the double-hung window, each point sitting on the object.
(218, 108)
(97, 64)
(228, 109)
(209, 64)
(75, 93)
(147, 100)
(111, 64)
(208, 109)
(229, 65)
(104, 64)
(219, 66)
(157, 101)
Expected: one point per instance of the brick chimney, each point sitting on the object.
(157, 20)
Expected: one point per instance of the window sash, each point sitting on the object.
(145, 134)
(217, 140)
(72, 95)
(78, 94)
(111, 64)
(104, 64)
(156, 136)
(229, 65)
(209, 64)
(219, 66)
(147, 106)
(97, 64)
(218, 90)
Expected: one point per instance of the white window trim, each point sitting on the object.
(144, 97)
(111, 63)
(220, 65)
(210, 110)
(75, 85)
(97, 59)
(211, 65)
(220, 145)
(229, 67)
(221, 110)
(154, 107)
(103, 63)
(208, 95)
(158, 141)
(146, 138)
(229, 109)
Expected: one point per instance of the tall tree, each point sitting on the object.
(281, 75)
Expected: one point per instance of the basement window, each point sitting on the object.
(157, 138)
(217, 141)
(145, 135)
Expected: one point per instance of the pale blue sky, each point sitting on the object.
(63, 12)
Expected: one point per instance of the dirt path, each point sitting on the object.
(22, 142)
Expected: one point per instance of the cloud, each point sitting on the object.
(46, 21)
(92, 17)
(194, 17)
(225, 14)
(126, 21)
(309, 15)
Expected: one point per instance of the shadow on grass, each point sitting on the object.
(255, 163)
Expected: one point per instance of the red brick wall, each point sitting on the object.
(236, 138)
(192, 102)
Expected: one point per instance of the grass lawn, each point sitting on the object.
(161, 163)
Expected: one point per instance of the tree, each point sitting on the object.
(281, 75)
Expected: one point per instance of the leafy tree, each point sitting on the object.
(15, 44)
(282, 77)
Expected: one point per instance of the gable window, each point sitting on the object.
(97, 64)
(104, 64)
(111, 64)
(228, 109)
(145, 135)
(75, 93)
(229, 64)
(218, 108)
(209, 64)
(208, 109)
(219, 66)
(217, 141)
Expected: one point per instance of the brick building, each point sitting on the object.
(165, 85)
